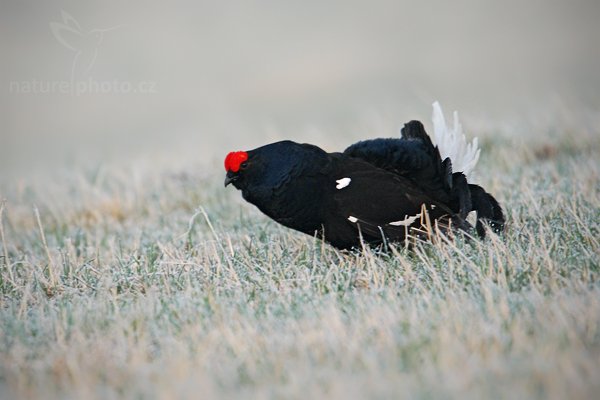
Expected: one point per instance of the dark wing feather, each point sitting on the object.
(488, 210)
(413, 156)
(376, 204)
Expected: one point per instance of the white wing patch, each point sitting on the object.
(352, 219)
(406, 221)
(342, 183)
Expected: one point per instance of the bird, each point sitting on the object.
(375, 192)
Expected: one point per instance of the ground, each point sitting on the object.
(150, 280)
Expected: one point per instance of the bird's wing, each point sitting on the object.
(377, 203)
(413, 156)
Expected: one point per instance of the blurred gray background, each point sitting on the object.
(100, 80)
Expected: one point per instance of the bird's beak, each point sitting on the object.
(230, 177)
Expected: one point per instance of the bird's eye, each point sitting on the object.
(244, 165)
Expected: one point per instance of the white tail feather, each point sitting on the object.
(453, 143)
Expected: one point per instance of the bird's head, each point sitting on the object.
(236, 163)
(269, 166)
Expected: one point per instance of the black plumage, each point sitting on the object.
(376, 190)
(416, 158)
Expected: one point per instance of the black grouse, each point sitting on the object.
(375, 191)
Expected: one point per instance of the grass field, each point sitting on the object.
(150, 280)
